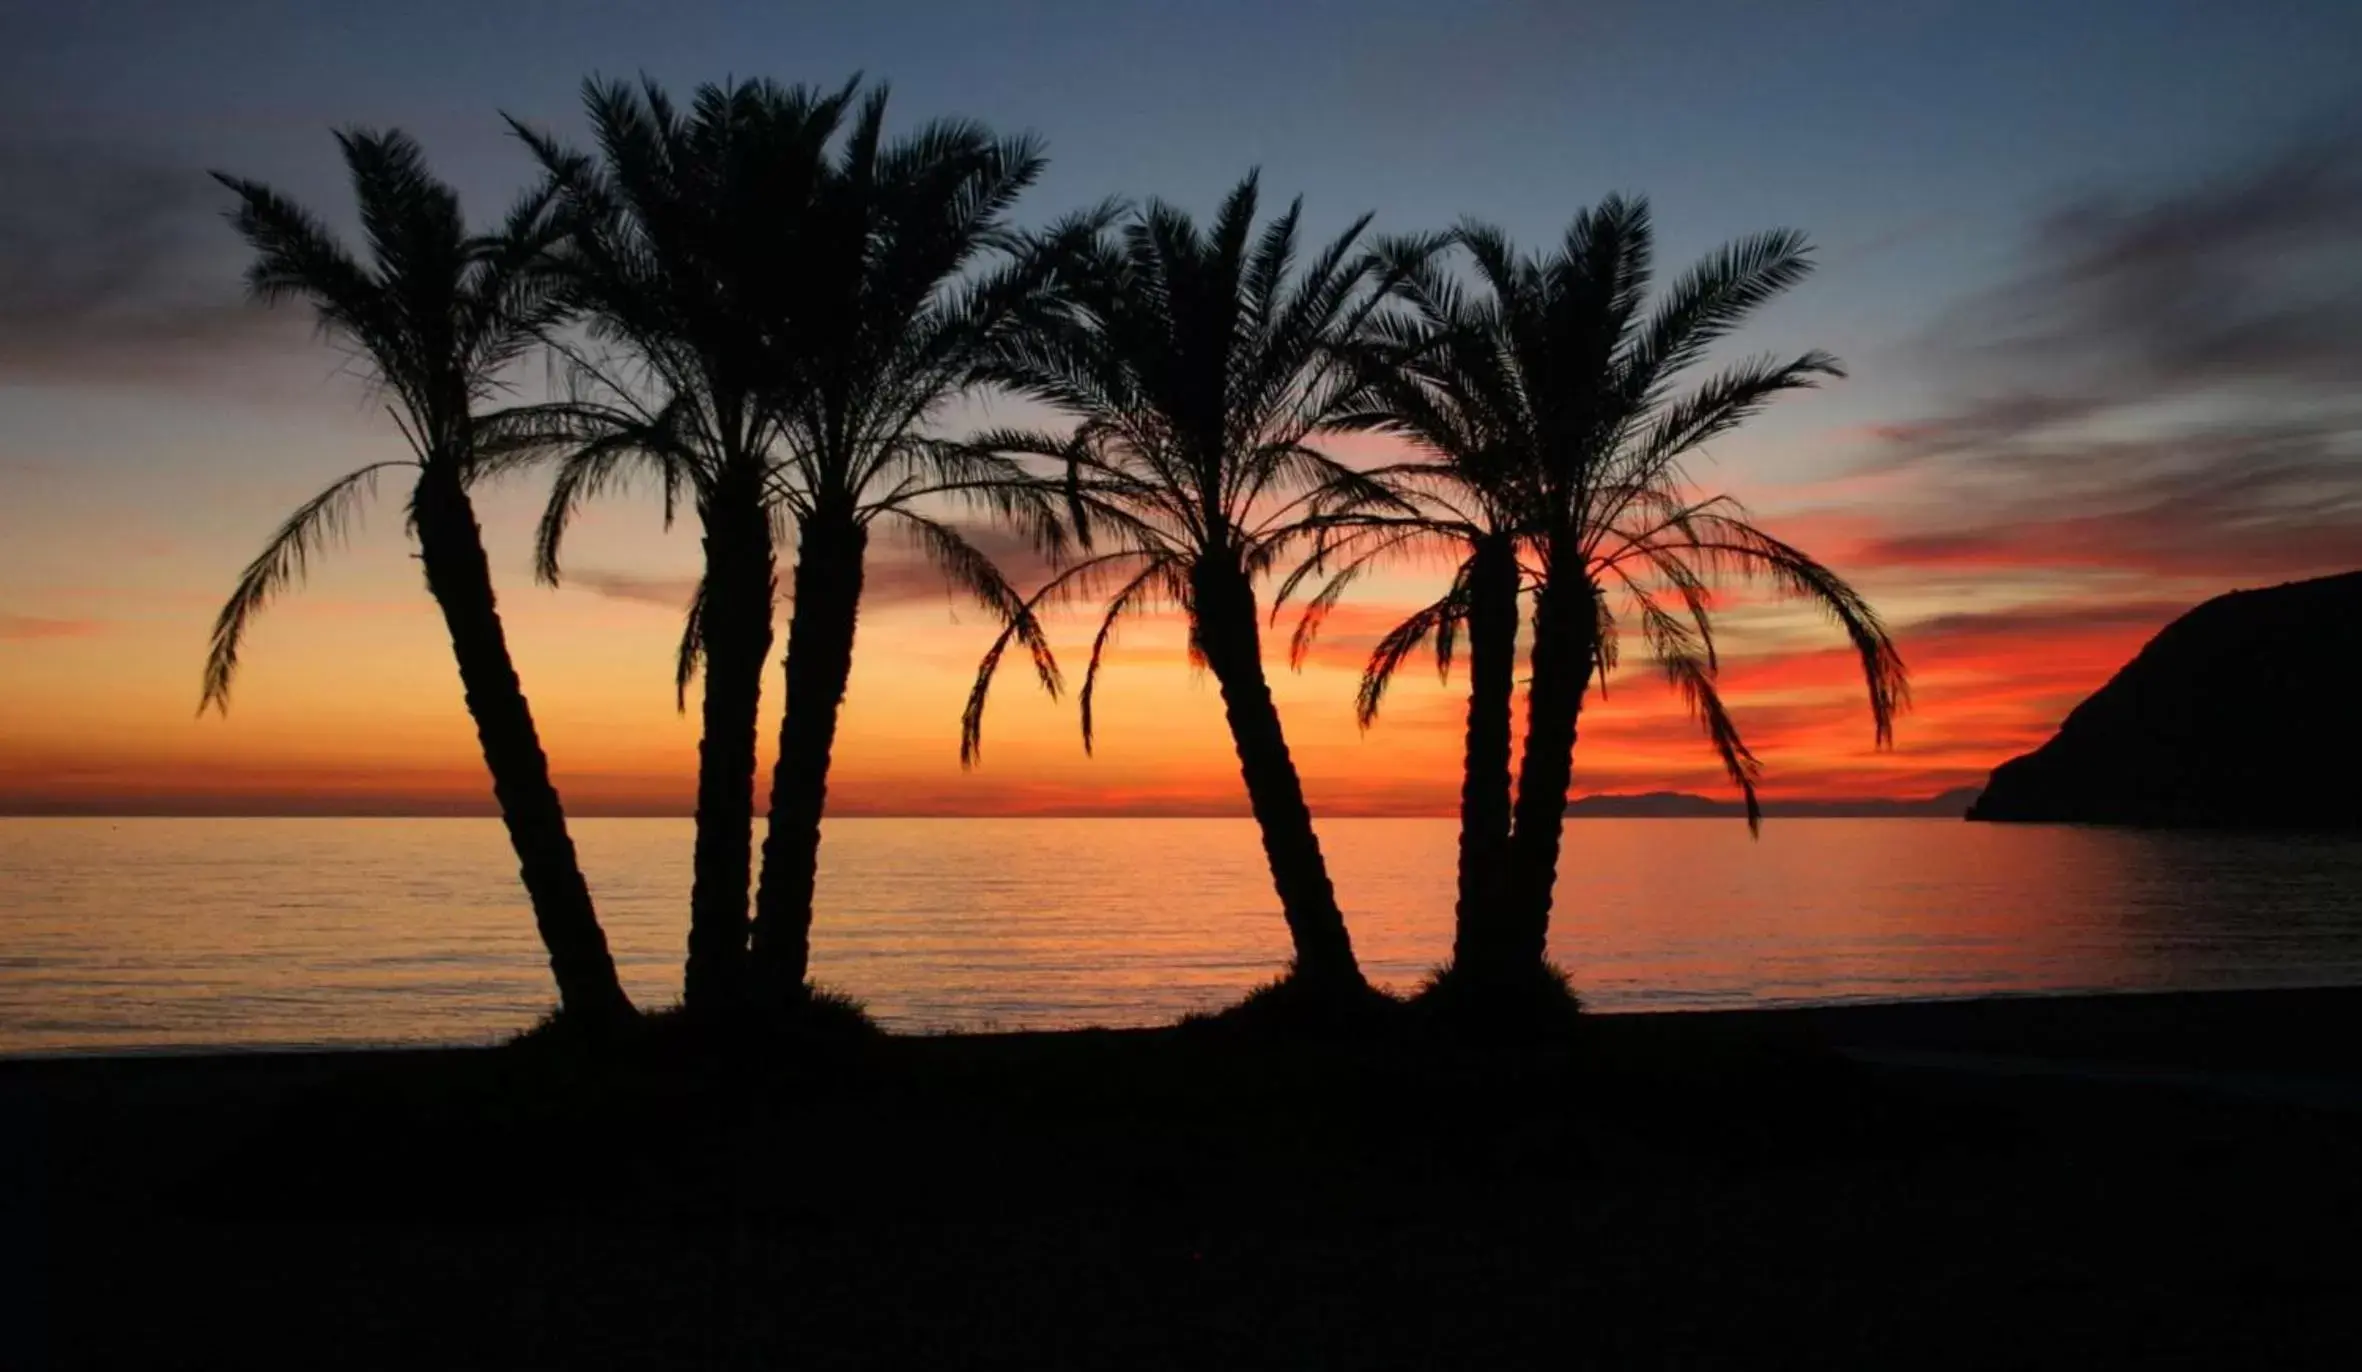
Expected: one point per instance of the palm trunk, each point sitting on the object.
(1566, 629)
(1479, 942)
(1228, 633)
(451, 547)
(740, 582)
(819, 659)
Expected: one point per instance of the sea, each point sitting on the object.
(144, 935)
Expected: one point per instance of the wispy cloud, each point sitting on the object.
(117, 269)
(23, 627)
(897, 571)
(2247, 277)
(901, 572)
(671, 592)
(2166, 385)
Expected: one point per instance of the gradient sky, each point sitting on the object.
(2096, 268)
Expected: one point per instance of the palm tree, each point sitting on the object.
(1414, 361)
(1551, 435)
(436, 315)
(800, 304)
(679, 234)
(905, 281)
(1199, 365)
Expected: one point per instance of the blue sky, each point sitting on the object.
(1911, 139)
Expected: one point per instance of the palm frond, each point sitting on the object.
(1069, 581)
(1721, 405)
(319, 523)
(692, 648)
(1695, 681)
(1156, 577)
(1748, 551)
(1713, 297)
(1398, 644)
(296, 257)
(590, 469)
(967, 568)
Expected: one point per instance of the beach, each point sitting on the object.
(2130, 1180)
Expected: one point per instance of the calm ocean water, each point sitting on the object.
(148, 933)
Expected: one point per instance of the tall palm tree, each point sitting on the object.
(436, 314)
(681, 235)
(1461, 497)
(906, 279)
(790, 298)
(1199, 365)
(1551, 431)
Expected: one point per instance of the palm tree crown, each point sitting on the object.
(437, 316)
(1546, 409)
(909, 281)
(1198, 370)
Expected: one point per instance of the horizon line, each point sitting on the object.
(200, 810)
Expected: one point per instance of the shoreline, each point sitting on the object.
(1961, 1020)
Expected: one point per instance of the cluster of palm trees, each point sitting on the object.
(761, 303)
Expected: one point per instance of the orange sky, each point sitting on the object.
(349, 701)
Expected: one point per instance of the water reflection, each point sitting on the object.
(123, 933)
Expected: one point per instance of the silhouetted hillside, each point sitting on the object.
(1683, 805)
(2243, 713)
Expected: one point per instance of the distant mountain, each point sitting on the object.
(2244, 713)
(1683, 805)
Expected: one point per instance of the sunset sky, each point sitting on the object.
(2096, 269)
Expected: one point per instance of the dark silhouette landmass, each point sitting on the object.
(1684, 805)
(2239, 714)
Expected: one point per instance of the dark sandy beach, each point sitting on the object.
(2137, 1180)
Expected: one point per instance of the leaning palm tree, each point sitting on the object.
(680, 234)
(1551, 437)
(1199, 366)
(436, 315)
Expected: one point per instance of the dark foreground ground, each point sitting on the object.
(2141, 1181)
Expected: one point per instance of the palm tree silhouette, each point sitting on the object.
(436, 315)
(1199, 367)
(1460, 495)
(1551, 436)
(806, 303)
(907, 283)
(677, 235)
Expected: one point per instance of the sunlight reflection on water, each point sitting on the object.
(171, 932)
